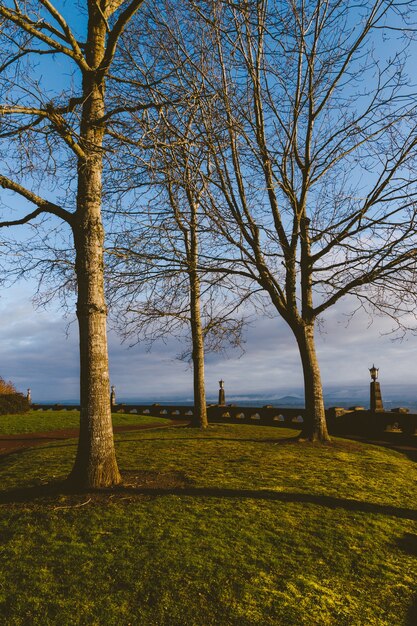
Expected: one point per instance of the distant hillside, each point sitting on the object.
(344, 396)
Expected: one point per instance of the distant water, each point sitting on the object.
(393, 396)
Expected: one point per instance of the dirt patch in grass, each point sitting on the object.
(135, 483)
(58, 494)
(155, 480)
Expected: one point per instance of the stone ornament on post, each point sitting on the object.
(113, 396)
(222, 399)
(376, 397)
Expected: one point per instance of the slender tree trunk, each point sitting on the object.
(315, 427)
(200, 408)
(95, 464)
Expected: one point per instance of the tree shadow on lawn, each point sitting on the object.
(406, 445)
(408, 544)
(20, 449)
(294, 440)
(412, 613)
(149, 484)
(204, 440)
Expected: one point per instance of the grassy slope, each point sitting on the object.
(41, 421)
(266, 533)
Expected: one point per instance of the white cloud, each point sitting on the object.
(37, 353)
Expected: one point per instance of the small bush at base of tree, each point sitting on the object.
(10, 400)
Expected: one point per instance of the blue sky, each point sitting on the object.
(39, 349)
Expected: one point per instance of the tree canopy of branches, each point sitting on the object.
(155, 284)
(310, 136)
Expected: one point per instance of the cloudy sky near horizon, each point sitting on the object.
(39, 349)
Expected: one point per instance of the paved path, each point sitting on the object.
(13, 443)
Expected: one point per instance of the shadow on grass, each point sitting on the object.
(412, 613)
(406, 445)
(43, 494)
(4, 456)
(408, 544)
(204, 440)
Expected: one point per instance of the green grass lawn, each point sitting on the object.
(41, 421)
(235, 526)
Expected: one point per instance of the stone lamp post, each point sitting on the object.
(113, 396)
(375, 397)
(222, 399)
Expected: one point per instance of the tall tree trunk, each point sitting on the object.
(200, 408)
(315, 427)
(95, 464)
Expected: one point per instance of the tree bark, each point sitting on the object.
(200, 408)
(314, 427)
(95, 465)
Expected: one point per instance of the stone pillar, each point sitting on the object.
(29, 397)
(113, 396)
(376, 397)
(222, 399)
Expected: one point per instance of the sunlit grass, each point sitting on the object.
(41, 421)
(250, 531)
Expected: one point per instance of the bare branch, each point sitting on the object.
(44, 206)
(22, 54)
(34, 28)
(117, 31)
(65, 28)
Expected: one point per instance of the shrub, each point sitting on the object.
(13, 403)
(10, 400)
(6, 388)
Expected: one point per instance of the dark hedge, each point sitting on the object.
(13, 403)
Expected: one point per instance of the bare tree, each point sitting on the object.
(60, 133)
(311, 135)
(154, 271)
(154, 281)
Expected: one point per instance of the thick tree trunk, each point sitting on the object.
(95, 464)
(200, 408)
(315, 426)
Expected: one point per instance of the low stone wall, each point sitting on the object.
(253, 415)
(340, 421)
(363, 422)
